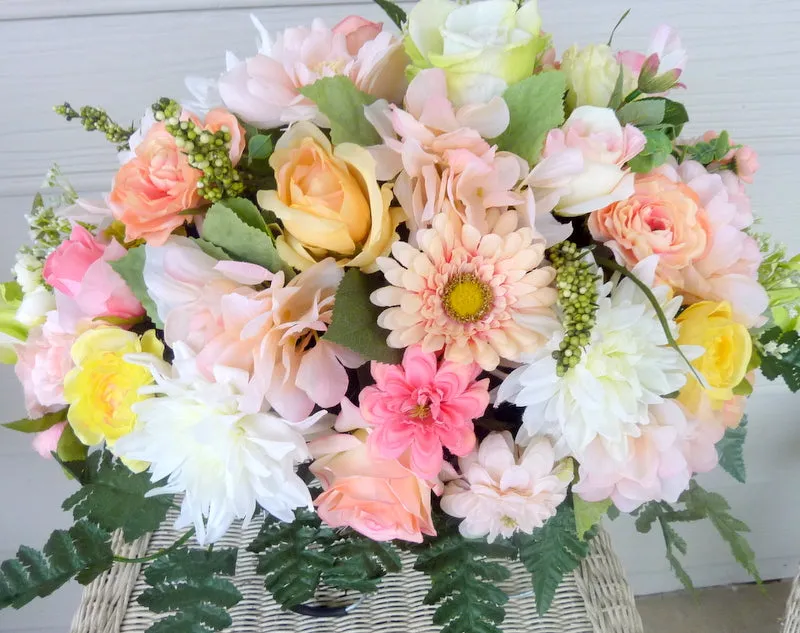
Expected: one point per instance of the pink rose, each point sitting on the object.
(357, 32)
(43, 361)
(79, 270)
(745, 160)
(380, 498)
(46, 442)
(662, 217)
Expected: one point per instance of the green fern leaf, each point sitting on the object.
(113, 497)
(292, 557)
(550, 553)
(191, 585)
(731, 451)
(83, 552)
(464, 580)
(360, 563)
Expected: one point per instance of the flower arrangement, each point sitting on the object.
(436, 291)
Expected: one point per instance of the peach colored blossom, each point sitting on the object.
(153, 188)
(439, 155)
(265, 89)
(661, 218)
(423, 406)
(380, 498)
(276, 335)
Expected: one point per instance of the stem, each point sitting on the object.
(633, 96)
(159, 553)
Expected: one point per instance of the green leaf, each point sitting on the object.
(211, 250)
(83, 552)
(616, 97)
(464, 580)
(744, 388)
(642, 113)
(114, 498)
(10, 300)
(38, 425)
(343, 104)
(292, 557)
(131, 268)
(70, 448)
(613, 512)
(673, 541)
(191, 584)
(722, 145)
(716, 508)
(664, 514)
(247, 212)
(675, 117)
(588, 514)
(395, 13)
(655, 153)
(550, 553)
(355, 319)
(536, 106)
(780, 356)
(359, 563)
(230, 230)
(731, 451)
(259, 147)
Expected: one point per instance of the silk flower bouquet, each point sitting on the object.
(439, 292)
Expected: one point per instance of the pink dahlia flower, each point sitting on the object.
(380, 498)
(504, 489)
(652, 468)
(439, 155)
(80, 272)
(275, 334)
(423, 406)
(480, 297)
(265, 89)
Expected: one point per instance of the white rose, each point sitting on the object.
(592, 74)
(483, 47)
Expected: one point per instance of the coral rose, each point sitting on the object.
(153, 188)
(80, 270)
(380, 498)
(662, 218)
(329, 201)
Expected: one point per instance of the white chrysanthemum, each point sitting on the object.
(627, 366)
(226, 461)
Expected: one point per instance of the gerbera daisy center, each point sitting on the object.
(466, 298)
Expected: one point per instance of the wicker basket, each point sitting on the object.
(791, 620)
(595, 599)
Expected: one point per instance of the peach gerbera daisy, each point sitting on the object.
(480, 297)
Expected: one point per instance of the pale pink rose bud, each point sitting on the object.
(46, 442)
(357, 32)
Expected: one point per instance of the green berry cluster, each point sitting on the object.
(576, 283)
(97, 119)
(207, 151)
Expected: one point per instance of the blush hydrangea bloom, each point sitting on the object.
(480, 297)
(423, 406)
(503, 490)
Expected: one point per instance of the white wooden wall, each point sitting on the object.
(743, 75)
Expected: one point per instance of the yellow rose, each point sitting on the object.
(728, 348)
(329, 201)
(102, 386)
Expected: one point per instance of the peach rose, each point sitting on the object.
(153, 188)
(380, 498)
(662, 217)
(357, 31)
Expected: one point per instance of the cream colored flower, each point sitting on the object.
(329, 201)
(480, 297)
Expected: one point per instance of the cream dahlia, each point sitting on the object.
(503, 489)
(202, 437)
(480, 297)
(627, 366)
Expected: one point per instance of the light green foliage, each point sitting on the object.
(655, 153)
(355, 319)
(131, 268)
(70, 448)
(343, 104)
(259, 147)
(642, 113)
(37, 425)
(395, 13)
(211, 249)
(780, 276)
(588, 514)
(11, 330)
(550, 553)
(193, 586)
(83, 552)
(731, 451)
(114, 498)
(536, 106)
(237, 227)
(464, 579)
(780, 356)
(707, 152)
